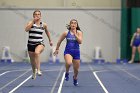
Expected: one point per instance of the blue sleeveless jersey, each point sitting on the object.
(136, 41)
(72, 43)
(72, 46)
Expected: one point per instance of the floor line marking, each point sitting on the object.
(124, 70)
(4, 73)
(52, 90)
(96, 76)
(61, 84)
(14, 89)
(14, 80)
(100, 82)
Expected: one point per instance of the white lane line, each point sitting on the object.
(105, 90)
(10, 71)
(124, 70)
(94, 73)
(4, 73)
(52, 90)
(51, 70)
(14, 89)
(61, 84)
(14, 80)
(132, 75)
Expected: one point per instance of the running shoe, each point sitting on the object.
(75, 82)
(67, 76)
(130, 61)
(39, 73)
(34, 74)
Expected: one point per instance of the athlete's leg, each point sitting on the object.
(33, 63)
(32, 60)
(139, 51)
(38, 50)
(76, 65)
(68, 60)
(133, 54)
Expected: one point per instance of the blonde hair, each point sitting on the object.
(36, 11)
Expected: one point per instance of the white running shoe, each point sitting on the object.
(130, 61)
(39, 73)
(34, 74)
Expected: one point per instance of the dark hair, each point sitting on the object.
(68, 25)
(36, 11)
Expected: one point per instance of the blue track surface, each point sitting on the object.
(92, 78)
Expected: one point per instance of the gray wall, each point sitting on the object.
(60, 3)
(101, 27)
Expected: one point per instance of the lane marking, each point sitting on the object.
(124, 70)
(14, 80)
(61, 84)
(94, 73)
(102, 85)
(14, 89)
(10, 71)
(4, 73)
(52, 90)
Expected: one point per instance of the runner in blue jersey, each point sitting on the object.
(72, 50)
(135, 44)
(35, 41)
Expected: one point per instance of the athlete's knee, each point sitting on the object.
(76, 70)
(37, 53)
(69, 63)
(133, 53)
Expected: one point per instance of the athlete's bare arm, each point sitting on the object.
(29, 25)
(62, 37)
(47, 33)
(79, 36)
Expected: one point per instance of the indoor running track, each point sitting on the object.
(93, 78)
